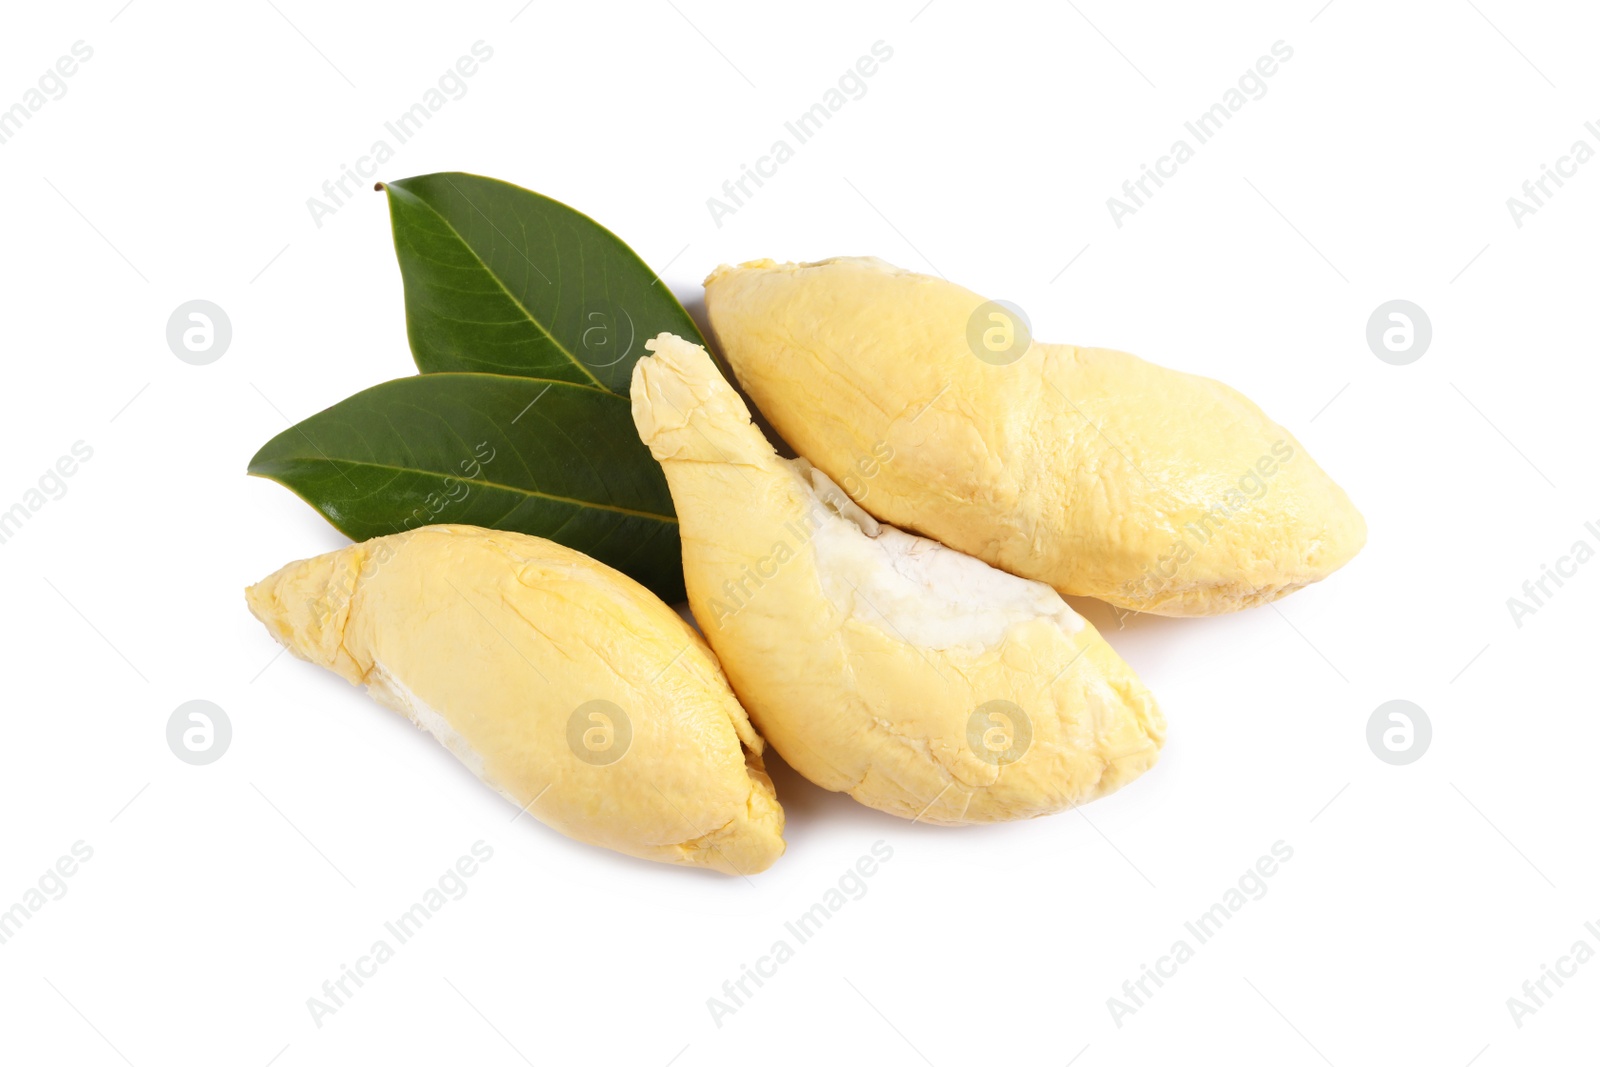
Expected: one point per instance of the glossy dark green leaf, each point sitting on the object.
(502, 280)
(543, 457)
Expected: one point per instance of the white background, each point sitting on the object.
(1377, 166)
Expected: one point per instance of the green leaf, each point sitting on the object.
(540, 456)
(505, 281)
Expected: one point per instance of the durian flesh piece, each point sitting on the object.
(1086, 468)
(921, 681)
(561, 683)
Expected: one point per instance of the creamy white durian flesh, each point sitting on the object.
(563, 684)
(921, 681)
(1086, 468)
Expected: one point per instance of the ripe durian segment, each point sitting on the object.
(921, 681)
(561, 683)
(1086, 468)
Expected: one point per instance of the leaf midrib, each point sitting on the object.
(509, 294)
(369, 465)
